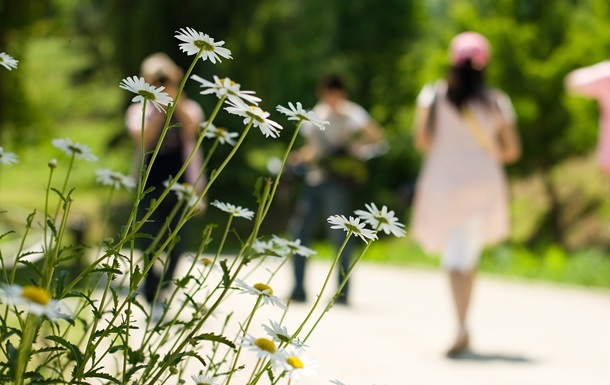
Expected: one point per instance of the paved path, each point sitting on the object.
(400, 322)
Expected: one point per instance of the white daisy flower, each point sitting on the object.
(116, 179)
(262, 290)
(295, 246)
(280, 334)
(7, 61)
(256, 116)
(7, 157)
(269, 248)
(337, 382)
(352, 225)
(184, 192)
(236, 211)
(219, 133)
(226, 87)
(204, 380)
(37, 299)
(195, 41)
(295, 363)
(263, 347)
(146, 93)
(298, 113)
(72, 148)
(383, 220)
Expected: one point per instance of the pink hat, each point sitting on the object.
(470, 45)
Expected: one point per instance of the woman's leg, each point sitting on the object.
(461, 290)
(460, 259)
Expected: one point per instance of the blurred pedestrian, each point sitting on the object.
(334, 162)
(466, 131)
(594, 82)
(159, 70)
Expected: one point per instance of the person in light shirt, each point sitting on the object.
(334, 160)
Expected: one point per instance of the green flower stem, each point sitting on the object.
(28, 226)
(279, 174)
(248, 323)
(78, 371)
(46, 208)
(319, 296)
(144, 173)
(339, 288)
(50, 260)
(146, 339)
(258, 365)
(63, 189)
(136, 226)
(244, 252)
(84, 274)
(106, 219)
(25, 347)
(209, 155)
(191, 210)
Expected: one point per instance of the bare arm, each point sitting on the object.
(509, 149)
(421, 136)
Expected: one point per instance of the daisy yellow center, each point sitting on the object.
(203, 383)
(265, 344)
(36, 294)
(203, 44)
(262, 287)
(252, 114)
(206, 261)
(230, 81)
(295, 362)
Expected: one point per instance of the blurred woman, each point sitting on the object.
(594, 82)
(160, 71)
(466, 130)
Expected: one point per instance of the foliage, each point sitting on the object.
(90, 325)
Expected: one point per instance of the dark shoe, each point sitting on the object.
(459, 347)
(298, 296)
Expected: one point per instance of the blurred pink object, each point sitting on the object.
(594, 82)
(470, 45)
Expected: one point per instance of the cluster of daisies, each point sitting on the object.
(239, 102)
(283, 352)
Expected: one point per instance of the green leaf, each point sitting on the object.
(105, 376)
(75, 355)
(226, 278)
(32, 266)
(215, 338)
(196, 356)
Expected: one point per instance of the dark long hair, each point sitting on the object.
(466, 83)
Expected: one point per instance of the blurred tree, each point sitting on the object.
(281, 49)
(16, 22)
(535, 43)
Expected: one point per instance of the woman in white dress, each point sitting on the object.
(467, 132)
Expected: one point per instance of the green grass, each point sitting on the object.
(585, 268)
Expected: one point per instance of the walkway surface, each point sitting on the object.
(400, 321)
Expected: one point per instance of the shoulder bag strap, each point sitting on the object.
(474, 126)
